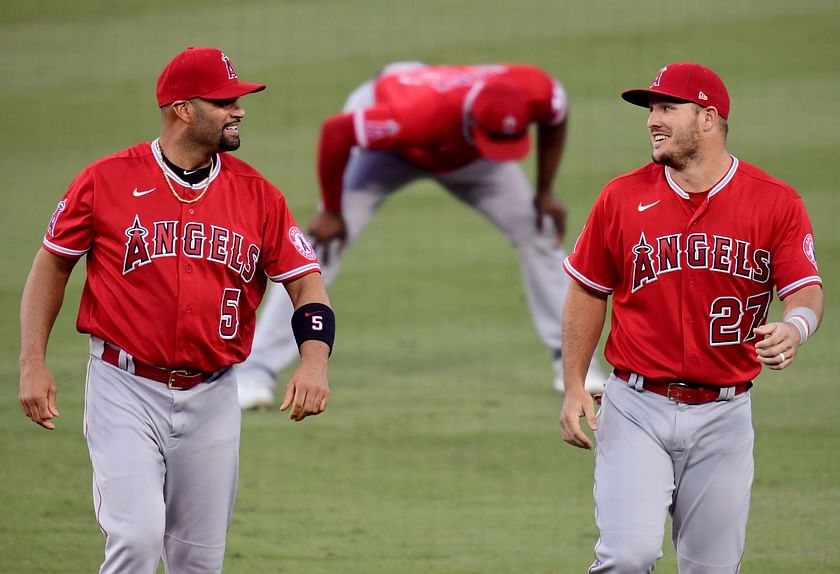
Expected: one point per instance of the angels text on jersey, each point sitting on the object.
(697, 251)
(197, 240)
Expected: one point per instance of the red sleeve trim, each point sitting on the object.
(62, 251)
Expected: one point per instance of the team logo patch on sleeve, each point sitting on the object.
(54, 219)
(808, 248)
(300, 242)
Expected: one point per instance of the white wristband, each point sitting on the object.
(804, 319)
(801, 325)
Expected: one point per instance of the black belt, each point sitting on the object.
(179, 379)
(689, 393)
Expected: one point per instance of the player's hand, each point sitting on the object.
(324, 228)
(577, 403)
(547, 205)
(778, 345)
(38, 395)
(308, 390)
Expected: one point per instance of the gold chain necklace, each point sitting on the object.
(172, 189)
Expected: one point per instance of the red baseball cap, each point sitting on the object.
(500, 122)
(201, 73)
(688, 82)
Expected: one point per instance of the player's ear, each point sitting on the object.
(183, 109)
(709, 118)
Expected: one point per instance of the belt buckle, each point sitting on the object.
(679, 385)
(172, 374)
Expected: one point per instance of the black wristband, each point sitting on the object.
(314, 321)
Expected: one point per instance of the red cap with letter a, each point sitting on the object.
(688, 82)
(201, 73)
(500, 120)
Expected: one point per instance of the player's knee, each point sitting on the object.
(629, 556)
(137, 542)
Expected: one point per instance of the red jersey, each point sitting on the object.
(176, 284)
(421, 112)
(693, 274)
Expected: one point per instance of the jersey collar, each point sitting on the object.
(217, 167)
(715, 188)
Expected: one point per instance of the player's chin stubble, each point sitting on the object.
(228, 143)
(686, 150)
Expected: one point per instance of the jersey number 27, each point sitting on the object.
(733, 321)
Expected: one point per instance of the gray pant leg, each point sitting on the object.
(202, 471)
(128, 470)
(369, 178)
(634, 482)
(502, 193)
(714, 474)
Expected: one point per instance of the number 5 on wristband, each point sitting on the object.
(314, 321)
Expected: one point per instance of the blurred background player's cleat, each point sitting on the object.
(595, 378)
(253, 395)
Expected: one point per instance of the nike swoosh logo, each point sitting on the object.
(136, 193)
(648, 206)
(310, 313)
(191, 171)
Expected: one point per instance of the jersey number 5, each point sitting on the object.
(229, 320)
(729, 316)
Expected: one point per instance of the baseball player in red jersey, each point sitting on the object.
(690, 247)
(180, 239)
(464, 127)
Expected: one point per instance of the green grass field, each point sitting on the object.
(441, 450)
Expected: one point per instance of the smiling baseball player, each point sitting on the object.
(691, 247)
(180, 239)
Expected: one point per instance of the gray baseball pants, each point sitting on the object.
(165, 467)
(656, 456)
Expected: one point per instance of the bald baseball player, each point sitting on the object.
(179, 239)
(691, 248)
(464, 127)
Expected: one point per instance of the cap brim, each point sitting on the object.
(231, 91)
(496, 149)
(641, 97)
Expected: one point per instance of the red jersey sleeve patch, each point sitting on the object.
(287, 253)
(70, 229)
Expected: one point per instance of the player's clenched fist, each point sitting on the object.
(778, 346)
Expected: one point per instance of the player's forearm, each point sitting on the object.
(308, 289)
(551, 140)
(42, 298)
(583, 320)
(336, 141)
(313, 321)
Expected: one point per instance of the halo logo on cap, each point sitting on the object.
(231, 72)
(655, 83)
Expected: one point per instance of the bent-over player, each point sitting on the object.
(180, 239)
(690, 247)
(464, 127)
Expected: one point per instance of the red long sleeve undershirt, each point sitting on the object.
(337, 139)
